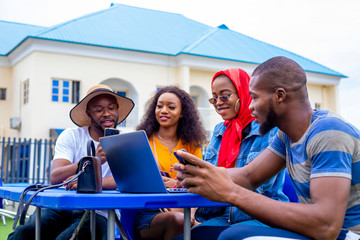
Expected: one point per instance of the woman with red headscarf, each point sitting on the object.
(234, 143)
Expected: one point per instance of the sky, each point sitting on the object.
(325, 31)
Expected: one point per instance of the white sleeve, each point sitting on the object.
(64, 146)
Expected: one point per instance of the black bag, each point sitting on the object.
(90, 181)
(88, 175)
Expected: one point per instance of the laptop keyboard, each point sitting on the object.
(176, 190)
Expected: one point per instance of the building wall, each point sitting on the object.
(140, 80)
(331, 98)
(5, 105)
(41, 114)
(323, 96)
(207, 112)
(315, 94)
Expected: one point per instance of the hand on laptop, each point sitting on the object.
(169, 182)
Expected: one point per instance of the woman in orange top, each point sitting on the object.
(171, 122)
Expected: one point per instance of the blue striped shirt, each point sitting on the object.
(330, 147)
(251, 146)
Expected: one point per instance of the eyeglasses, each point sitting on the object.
(223, 98)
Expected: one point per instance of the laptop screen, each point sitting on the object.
(132, 163)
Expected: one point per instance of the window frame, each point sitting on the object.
(3, 92)
(123, 123)
(197, 96)
(65, 91)
(26, 90)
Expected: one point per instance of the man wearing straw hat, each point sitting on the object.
(101, 108)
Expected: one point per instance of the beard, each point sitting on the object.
(98, 126)
(269, 123)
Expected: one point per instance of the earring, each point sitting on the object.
(237, 101)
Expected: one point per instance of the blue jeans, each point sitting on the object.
(242, 232)
(212, 228)
(59, 225)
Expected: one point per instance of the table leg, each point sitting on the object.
(92, 224)
(81, 223)
(38, 223)
(122, 231)
(111, 225)
(187, 223)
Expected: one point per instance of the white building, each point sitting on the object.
(45, 71)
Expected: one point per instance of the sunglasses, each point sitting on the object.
(223, 98)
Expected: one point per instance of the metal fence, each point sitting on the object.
(26, 160)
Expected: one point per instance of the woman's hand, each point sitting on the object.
(169, 182)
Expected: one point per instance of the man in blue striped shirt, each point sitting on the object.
(320, 150)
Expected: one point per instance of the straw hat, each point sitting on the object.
(78, 113)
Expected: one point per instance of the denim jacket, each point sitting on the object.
(251, 146)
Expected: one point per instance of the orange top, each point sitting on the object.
(166, 158)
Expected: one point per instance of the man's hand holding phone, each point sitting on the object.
(182, 160)
(181, 168)
(203, 178)
(99, 151)
(100, 154)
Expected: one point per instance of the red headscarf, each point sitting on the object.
(231, 140)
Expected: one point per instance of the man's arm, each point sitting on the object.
(257, 172)
(108, 183)
(322, 219)
(61, 169)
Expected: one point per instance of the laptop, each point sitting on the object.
(133, 164)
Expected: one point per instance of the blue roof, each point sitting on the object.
(224, 43)
(139, 29)
(130, 28)
(11, 34)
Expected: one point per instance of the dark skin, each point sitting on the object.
(168, 224)
(322, 219)
(103, 113)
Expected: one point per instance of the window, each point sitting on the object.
(123, 94)
(26, 91)
(195, 99)
(2, 93)
(159, 87)
(65, 91)
(75, 93)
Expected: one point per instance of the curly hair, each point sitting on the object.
(190, 128)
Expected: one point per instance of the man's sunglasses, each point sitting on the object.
(223, 98)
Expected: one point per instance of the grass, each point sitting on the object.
(6, 230)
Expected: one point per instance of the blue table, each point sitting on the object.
(110, 200)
